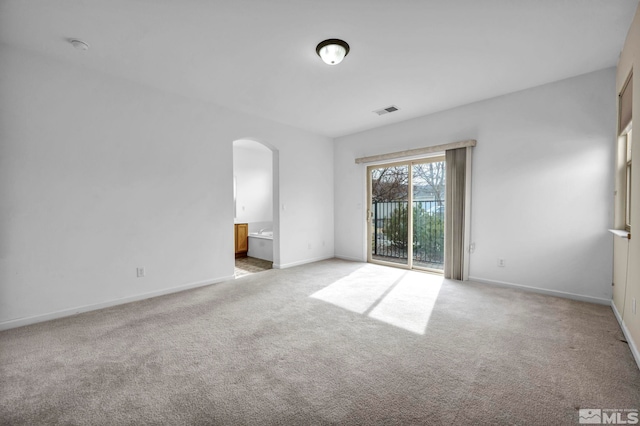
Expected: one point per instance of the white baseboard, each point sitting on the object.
(350, 258)
(599, 301)
(627, 335)
(19, 322)
(616, 313)
(301, 262)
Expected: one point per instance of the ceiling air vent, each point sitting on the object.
(386, 110)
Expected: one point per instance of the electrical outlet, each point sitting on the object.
(472, 247)
(501, 262)
(140, 272)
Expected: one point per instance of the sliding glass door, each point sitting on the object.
(388, 218)
(406, 214)
(428, 214)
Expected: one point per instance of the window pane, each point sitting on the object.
(629, 146)
(428, 214)
(389, 199)
(628, 189)
(628, 203)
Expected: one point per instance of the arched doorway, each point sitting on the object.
(256, 201)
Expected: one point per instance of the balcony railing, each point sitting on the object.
(390, 232)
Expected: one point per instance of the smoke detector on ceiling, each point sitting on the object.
(386, 110)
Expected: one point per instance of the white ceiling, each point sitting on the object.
(258, 56)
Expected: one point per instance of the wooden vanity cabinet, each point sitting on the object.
(242, 239)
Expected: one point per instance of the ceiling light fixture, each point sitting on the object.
(79, 44)
(332, 51)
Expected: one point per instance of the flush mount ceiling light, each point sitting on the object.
(79, 44)
(332, 51)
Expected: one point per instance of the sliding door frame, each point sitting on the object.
(410, 162)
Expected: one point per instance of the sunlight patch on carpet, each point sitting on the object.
(358, 291)
(398, 297)
(410, 302)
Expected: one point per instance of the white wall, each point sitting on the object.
(99, 175)
(253, 170)
(542, 183)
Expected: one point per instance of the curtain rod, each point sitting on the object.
(417, 151)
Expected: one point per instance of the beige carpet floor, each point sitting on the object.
(332, 342)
